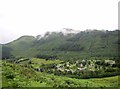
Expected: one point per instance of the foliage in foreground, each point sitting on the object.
(24, 76)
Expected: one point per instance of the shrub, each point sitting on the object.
(10, 75)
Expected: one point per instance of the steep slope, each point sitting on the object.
(94, 42)
(21, 46)
(68, 46)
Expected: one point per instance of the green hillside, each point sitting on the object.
(23, 75)
(86, 60)
(81, 45)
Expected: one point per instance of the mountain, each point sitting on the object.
(69, 44)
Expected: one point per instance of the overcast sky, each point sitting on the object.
(34, 17)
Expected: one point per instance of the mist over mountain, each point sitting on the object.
(66, 44)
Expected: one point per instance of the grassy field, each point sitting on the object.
(22, 75)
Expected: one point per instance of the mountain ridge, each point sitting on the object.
(84, 43)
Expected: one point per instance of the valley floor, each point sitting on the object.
(14, 75)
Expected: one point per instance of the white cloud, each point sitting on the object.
(33, 17)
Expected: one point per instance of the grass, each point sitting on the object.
(37, 60)
(15, 75)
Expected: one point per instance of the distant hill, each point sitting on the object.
(71, 45)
